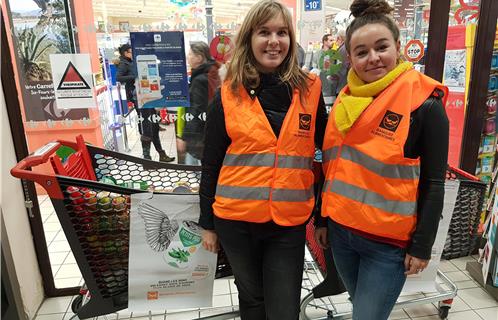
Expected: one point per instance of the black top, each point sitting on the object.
(202, 86)
(427, 139)
(126, 75)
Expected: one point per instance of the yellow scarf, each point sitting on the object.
(352, 105)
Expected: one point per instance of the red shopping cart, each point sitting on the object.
(90, 192)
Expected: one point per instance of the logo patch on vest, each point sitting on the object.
(305, 121)
(391, 121)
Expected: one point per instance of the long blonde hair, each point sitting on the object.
(242, 67)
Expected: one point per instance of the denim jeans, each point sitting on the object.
(372, 272)
(191, 160)
(267, 261)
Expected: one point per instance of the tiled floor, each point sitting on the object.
(472, 302)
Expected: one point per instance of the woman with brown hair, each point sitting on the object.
(257, 181)
(385, 153)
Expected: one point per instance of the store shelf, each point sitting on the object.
(474, 268)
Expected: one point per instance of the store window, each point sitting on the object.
(62, 96)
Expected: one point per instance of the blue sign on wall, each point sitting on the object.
(160, 66)
(313, 5)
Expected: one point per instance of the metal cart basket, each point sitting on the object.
(90, 192)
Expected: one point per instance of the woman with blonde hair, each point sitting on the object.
(257, 181)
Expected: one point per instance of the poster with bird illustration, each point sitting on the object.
(168, 267)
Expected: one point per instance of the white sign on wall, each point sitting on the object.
(312, 23)
(72, 78)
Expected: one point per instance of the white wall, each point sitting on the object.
(17, 224)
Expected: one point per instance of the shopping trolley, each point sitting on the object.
(90, 192)
(325, 287)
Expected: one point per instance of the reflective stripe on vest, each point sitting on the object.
(394, 171)
(329, 154)
(267, 160)
(263, 193)
(405, 208)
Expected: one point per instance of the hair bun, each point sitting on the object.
(364, 7)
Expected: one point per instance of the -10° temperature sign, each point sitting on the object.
(414, 50)
(312, 5)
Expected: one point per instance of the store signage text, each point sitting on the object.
(414, 50)
(313, 5)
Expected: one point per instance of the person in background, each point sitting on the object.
(328, 84)
(301, 55)
(385, 156)
(256, 191)
(341, 76)
(148, 129)
(327, 42)
(204, 81)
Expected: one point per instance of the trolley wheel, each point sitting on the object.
(443, 312)
(76, 304)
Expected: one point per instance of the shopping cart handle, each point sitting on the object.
(463, 173)
(22, 170)
(41, 155)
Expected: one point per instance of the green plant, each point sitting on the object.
(31, 46)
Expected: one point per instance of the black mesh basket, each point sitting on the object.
(463, 237)
(95, 215)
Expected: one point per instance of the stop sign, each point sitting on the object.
(414, 50)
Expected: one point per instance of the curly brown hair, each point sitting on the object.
(370, 12)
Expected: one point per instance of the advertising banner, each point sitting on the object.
(404, 13)
(39, 29)
(455, 110)
(425, 281)
(455, 69)
(160, 66)
(455, 74)
(168, 267)
(72, 78)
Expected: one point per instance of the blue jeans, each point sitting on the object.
(372, 272)
(191, 160)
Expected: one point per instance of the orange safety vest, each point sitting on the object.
(264, 178)
(369, 185)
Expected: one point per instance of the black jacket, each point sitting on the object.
(126, 75)
(204, 81)
(275, 99)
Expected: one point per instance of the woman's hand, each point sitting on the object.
(414, 265)
(321, 237)
(210, 241)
